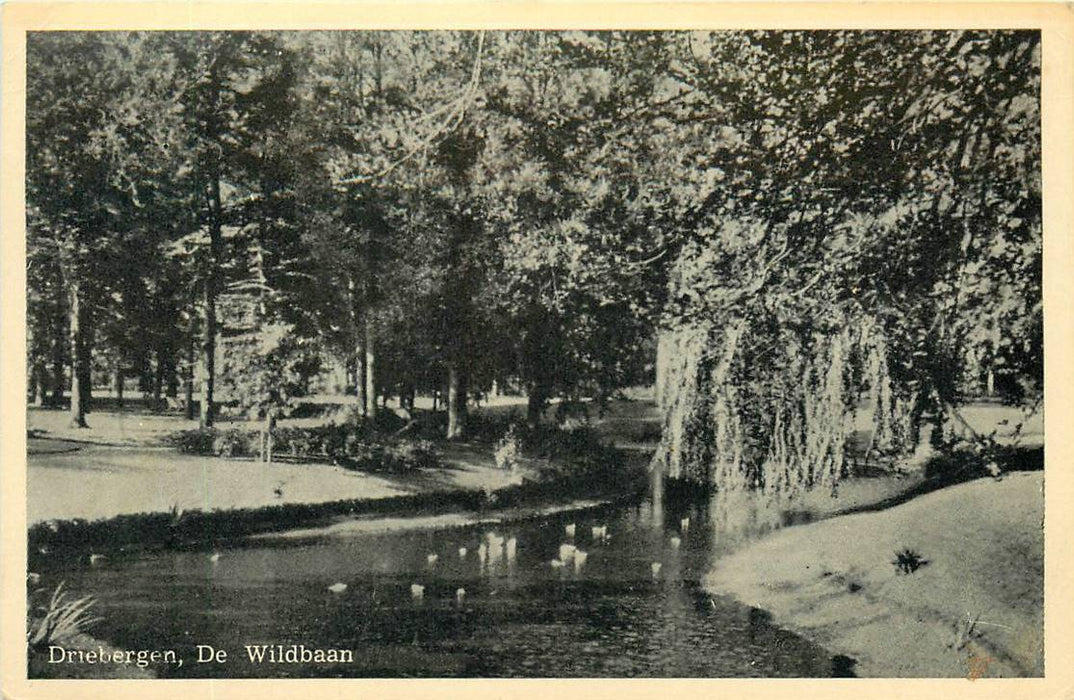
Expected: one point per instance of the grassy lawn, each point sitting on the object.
(974, 609)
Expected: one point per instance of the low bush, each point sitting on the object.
(508, 449)
(211, 441)
(235, 443)
(410, 455)
(908, 561)
(194, 442)
(398, 457)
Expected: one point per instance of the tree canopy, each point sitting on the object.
(779, 228)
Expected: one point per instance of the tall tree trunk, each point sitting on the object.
(35, 381)
(370, 368)
(267, 426)
(58, 375)
(359, 376)
(456, 401)
(208, 360)
(79, 365)
(359, 348)
(208, 384)
(119, 384)
(158, 378)
(188, 380)
(191, 361)
(171, 374)
(536, 401)
(406, 396)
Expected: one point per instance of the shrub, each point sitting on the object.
(298, 442)
(411, 455)
(398, 457)
(195, 442)
(210, 441)
(352, 445)
(908, 561)
(234, 443)
(508, 449)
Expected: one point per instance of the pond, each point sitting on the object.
(510, 600)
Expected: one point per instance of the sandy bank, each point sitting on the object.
(974, 610)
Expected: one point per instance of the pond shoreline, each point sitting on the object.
(972, 609)
(195, 528)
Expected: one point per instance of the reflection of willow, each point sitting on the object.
(736, 517)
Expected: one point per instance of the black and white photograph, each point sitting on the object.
(519, 353)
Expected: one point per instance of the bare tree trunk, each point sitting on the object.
(79, 369)
(158, 379)
(58, 376)
(171, 389)
(208, 383)
(188, 380)
(267, 426)
(370, 368)
(536, 401)
(359, 376)
(35, 381)
(456, 402)
(208, 356)
(119, 384)
(268, 436)
(40, 383)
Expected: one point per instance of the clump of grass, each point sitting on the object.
(908, 561)
(62, 618)
(965, 632)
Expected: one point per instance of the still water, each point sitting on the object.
(493, 602)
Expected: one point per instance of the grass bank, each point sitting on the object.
(625, 478)
(972, 608)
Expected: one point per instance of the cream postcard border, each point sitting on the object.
(1056, 21)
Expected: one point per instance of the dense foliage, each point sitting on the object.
(795, 225)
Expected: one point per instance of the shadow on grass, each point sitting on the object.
(958, 467)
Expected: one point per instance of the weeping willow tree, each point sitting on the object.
(765, 394)
(869, 240)
(747, 409)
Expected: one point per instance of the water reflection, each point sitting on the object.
(624, 599)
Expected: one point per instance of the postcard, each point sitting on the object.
(411, 350)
